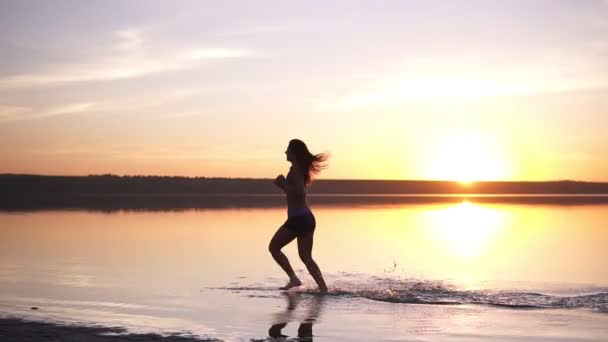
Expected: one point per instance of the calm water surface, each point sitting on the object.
(209, 271)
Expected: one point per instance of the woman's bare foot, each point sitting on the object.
(292, 283)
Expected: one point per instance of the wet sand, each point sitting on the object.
(13, 330)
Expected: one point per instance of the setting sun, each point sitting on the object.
(465, 158)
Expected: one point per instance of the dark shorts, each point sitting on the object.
(301, 224)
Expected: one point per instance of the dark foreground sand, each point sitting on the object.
(13, 330)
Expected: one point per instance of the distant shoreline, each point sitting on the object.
(108, 183)
(110, 192)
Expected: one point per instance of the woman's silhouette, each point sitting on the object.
(300, 221)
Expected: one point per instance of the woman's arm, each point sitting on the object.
(296, 186)
(280, 182)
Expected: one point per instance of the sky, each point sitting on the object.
(464, 90)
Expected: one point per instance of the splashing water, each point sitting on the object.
(434, 292)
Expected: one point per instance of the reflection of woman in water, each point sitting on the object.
(300, 220)
(305, 328)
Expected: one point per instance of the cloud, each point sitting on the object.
(472, 84)
(132, 60)
(13, 113)
(152, 104)
(129, 40)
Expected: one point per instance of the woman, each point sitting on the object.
(300, 222)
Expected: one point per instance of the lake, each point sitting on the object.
(404, 272)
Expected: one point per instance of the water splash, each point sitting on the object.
(434, 292)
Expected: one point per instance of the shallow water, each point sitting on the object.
(461, 271)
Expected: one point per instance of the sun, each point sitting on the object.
(465, 158)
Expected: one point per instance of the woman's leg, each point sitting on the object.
(305, 251)
(282, 237)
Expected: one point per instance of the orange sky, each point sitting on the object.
(433, 90)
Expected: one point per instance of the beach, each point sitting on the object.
(341, 320)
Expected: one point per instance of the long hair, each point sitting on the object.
(310, 164)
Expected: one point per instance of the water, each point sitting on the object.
(464, 271)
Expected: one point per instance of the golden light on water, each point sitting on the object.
(466, 242)
(466, 229)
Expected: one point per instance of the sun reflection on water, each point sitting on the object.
(466, 229)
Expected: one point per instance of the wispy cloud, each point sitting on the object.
(150, 104)
(8, 112)
(131, 60)
(13, 113)
(427, 85)
(129, 40)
